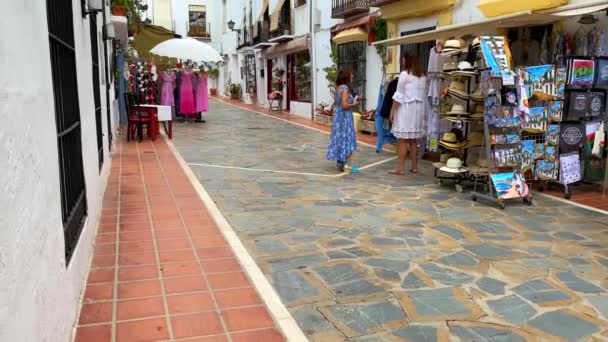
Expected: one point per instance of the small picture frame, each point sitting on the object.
(601, 72)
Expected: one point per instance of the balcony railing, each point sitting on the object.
(378, 3)
(263, 32)
(198, 31)
(244, 39)
(284, 24)
(345, 8)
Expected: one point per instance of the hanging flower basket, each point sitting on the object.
(119, 11)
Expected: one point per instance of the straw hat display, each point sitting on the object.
(465, 69)
(442, 161)
(450, 141)
(458, 109)
(453, 165)
(458, 89)
(449, 67)
(452, 46)
(481, 168)
(479, 111)
(475, 139)
(476, 94)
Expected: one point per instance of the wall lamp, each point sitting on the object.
(91, 7)
(231, 27)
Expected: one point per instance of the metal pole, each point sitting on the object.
(313, 60)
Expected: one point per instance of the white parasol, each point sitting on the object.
(187, 48)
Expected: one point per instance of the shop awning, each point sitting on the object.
(488, 26)
(275, 15)
(414, 8)
(121, 30)
(356, 34)
(264, 8)
(367, 20)
(290, 47)
(496, 8)
(578, 8)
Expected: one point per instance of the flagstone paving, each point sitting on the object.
(373, 257)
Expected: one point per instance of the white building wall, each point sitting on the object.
(180, 14)
(40, 297)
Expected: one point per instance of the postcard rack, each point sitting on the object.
(503, 156)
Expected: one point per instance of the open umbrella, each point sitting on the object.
(187, 48)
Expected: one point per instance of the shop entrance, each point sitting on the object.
(352, 56)
(421, 50)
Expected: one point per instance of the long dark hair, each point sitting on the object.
(343, 77)
(412, 66)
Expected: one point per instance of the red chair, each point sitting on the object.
(138, 117)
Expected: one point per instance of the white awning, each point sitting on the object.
(578, 8)
(520, 19)
(478, 28)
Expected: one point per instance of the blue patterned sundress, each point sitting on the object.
(343, 139)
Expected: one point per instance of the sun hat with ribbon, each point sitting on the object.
(450, 140)
(453, 165)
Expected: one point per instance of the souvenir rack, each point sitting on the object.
(492, 108)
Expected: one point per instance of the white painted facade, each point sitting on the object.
(40, 297)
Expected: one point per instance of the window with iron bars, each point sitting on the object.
(96, 86)
(421, 50)
(67, 119)
(352, 56)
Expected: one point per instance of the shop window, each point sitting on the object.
(67, 121)
(197, 21)
(422, 50)
(303, 77)
(352, 56)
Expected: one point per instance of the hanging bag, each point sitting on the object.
(598, 143)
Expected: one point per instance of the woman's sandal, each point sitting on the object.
(414, 171)
(396, 172)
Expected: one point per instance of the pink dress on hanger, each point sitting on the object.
(202, 98)
(167, 97)
(186, 95)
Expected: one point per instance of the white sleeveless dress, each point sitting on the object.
(410, 118)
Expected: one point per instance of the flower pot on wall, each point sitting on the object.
(235, 96)
(119, 11)
(213, 91)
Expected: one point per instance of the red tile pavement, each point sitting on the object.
(161, 268)
(586, 194)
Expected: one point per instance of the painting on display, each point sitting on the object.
(537, 122)
(546, 170)
(510, 185)
(540, 81)
(496, 53)
(550, 153)
(528, 154)
(556, 110)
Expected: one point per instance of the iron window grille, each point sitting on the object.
(67, 120)
(421, 50)
(352, 56)
(96, 86)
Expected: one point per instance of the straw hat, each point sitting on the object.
(458, 88)
(476, 95)
(452, 46)
(479, 111)
(449, 67)
(453, 165)
(457, 109)
(442, 161)
(476, 42)
(450, 140)
(475, 139)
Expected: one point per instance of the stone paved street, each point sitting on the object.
(373, 257)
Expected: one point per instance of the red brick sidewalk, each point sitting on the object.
(162, 269)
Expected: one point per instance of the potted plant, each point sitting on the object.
(119, 7)
(214, 74)
(235, 91)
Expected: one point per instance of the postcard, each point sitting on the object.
(552, 136)
(556, 110)
(528, 154)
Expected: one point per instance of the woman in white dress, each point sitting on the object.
(408, 113)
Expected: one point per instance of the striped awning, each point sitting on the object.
(275, 16)
(356, 34)
(293, 46)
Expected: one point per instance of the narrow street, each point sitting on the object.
(370, 257)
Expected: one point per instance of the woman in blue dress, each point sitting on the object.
(343, 139)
